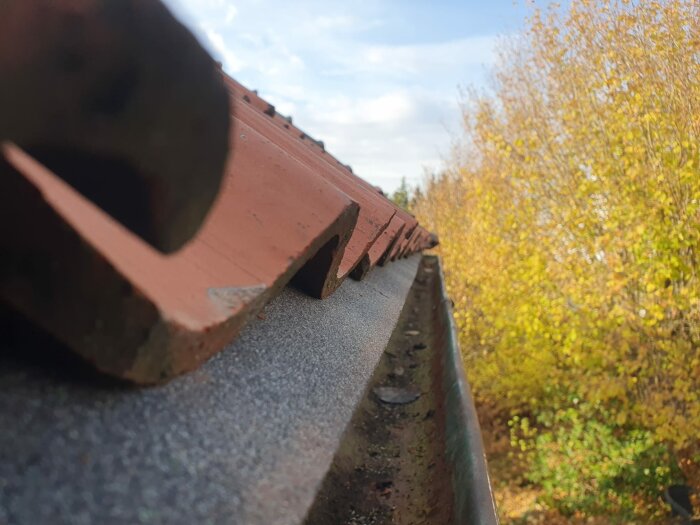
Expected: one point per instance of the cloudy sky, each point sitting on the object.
(377, 80)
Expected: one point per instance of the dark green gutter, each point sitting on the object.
(474, 502)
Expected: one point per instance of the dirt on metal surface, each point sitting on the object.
(391, 468)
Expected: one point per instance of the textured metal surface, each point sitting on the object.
(246, 439)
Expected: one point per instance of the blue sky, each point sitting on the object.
(377, 80)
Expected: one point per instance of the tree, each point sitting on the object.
(569, 226)
(402, 195)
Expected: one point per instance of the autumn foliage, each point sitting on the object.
(569, 226)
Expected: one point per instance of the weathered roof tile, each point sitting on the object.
(287, 210)
(146, 317)
(375, 211)
(379, 248)
(122, 102)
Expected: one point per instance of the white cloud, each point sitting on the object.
(384, 138)
(230, 61)
(324, 22)
(391, 107)
(418, 59)
(231, 12)
(385, 108)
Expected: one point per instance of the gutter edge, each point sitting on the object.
(473, 495)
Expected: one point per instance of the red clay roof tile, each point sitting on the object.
(375, 211)
(386, 239)
(146, 317)
(287, 210)
(122, 102)
(408, 246)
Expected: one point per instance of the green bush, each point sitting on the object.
(587, 466)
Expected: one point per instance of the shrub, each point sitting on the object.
(588, 466)
(570, 225)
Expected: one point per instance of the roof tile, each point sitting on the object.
(126, 118)
(146, 317)
(286, 210)
(376, 212)
(379, 248)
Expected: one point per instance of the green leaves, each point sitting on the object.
(587, 465)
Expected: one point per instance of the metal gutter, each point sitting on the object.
(412, 452)
(474, 501)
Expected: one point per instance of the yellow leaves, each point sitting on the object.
(570, 219)
(649, 118)
(621, 418)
